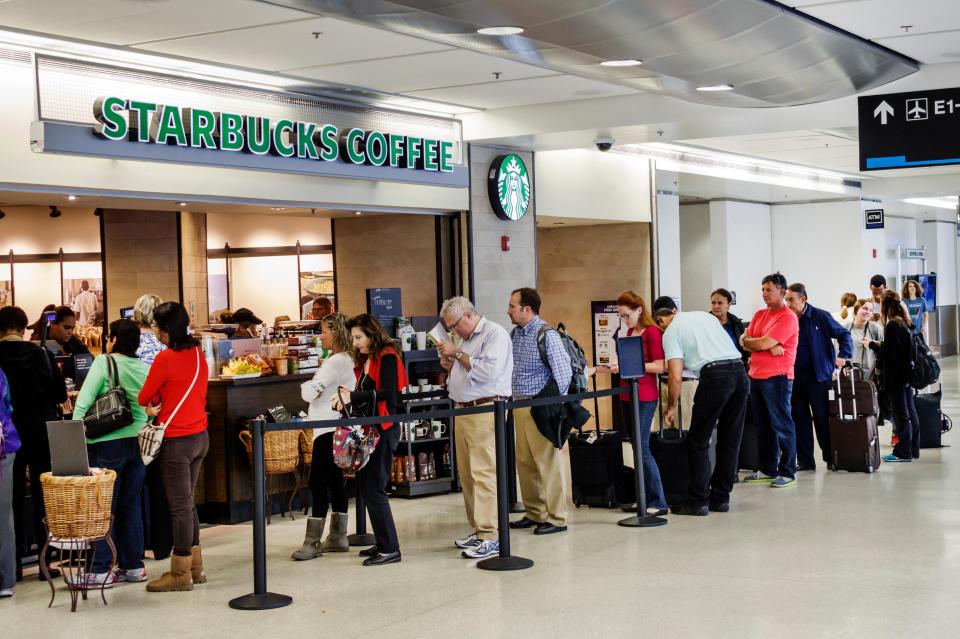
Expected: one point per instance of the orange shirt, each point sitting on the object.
(783, 326)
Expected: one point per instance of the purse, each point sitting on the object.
(353, 445)
(111, 411)
(151, 436)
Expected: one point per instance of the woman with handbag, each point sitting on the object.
(175, 393)
(326, 478)
(380, 378)
(113, 444)
(862, 327)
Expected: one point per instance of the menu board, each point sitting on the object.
(384, 304)
(606, 322)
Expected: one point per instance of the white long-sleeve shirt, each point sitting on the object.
(336, 371)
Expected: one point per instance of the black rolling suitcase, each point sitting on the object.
(598, 475)
(669, 448)
(749, 443)
(933, 423)
(853, 435)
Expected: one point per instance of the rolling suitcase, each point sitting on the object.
(749, 443)
(598, 475)
(669, 448)
(933, 423)
(853, 435)
(863, 390)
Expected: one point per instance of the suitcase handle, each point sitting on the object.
(853, 390)
(663, 378)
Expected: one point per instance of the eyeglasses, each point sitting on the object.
(453, 326)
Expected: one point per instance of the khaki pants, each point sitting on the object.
(541, 469)
(477, 466)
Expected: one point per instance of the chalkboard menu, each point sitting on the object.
(384, 304)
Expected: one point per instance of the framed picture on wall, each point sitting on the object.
(6, 293)
(314, 284)
(85, 296)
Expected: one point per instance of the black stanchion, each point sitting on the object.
(515, 506)
(504, 561)
(259, 599)
(641, 519)
(361, 537)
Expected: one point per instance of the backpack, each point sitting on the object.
(924, 369)
(578, 361)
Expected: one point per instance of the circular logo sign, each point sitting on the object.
(509, 187)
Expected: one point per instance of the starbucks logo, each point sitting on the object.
(509, 187)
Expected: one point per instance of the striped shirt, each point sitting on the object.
(529, 373)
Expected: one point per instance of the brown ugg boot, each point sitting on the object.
(177, 579)
(196, 566)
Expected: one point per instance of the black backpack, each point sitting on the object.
(924, 369)
(578, 360)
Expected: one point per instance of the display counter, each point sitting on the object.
(225, 491)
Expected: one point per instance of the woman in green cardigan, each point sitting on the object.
(119, 451)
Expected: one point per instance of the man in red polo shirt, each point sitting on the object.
(772, 339)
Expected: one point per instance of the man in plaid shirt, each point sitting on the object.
(539, 463)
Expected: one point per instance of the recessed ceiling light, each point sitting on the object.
(71, 197)
(500, 31)
(278, 208)
(183, 204)
(630, 62)
(716, 87)
(359, 212)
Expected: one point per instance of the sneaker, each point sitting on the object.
(481, 549)
(134, 575)
(6, 592)
(91, 580)
(466, 542)
(893, 459)
(757, 478)
(783, 482)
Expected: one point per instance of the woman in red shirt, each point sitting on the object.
(380, 373)
(175, 394)
(635, 319)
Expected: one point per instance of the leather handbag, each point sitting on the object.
(353, 445)
(111, 411)
(151, 436)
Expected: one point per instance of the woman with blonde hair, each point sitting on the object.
(847, 302)
(143, 315)
(862, 327)
(326, 478)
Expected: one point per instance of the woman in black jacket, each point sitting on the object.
(720, 301)
(893, 355)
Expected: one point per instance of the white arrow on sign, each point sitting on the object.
(883, 110)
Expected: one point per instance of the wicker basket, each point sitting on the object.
(281, 450)
(306, 446)
(78, 507)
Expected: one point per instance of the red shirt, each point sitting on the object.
(784, 327)
(168, 381)
(648, 386)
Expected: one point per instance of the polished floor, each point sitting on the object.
(842, 555)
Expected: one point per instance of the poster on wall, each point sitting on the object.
(606, 322)
(6, 294)
(85, 297)
(314, 284)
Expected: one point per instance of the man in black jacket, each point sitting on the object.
(36, 391)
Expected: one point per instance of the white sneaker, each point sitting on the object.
(467, 542)
(91, 580)
(481, 549)
(6, 592)
(134, 575)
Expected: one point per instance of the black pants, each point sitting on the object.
(907, 421)
(36, 455)
(373, 482)
(720, 402)
(810, 398)
(326, 478)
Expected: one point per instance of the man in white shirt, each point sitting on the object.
(480, 372)
(85, 304)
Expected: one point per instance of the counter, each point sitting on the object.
(225, 490)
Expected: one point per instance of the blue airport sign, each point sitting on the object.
(908, 130)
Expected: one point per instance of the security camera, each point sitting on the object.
(604, 144)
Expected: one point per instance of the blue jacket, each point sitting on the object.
(818, 329)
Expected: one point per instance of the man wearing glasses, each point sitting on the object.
(480, 372)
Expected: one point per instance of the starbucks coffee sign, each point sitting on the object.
(508, 185)
(150, 123)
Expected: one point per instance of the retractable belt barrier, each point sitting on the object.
(262, 599)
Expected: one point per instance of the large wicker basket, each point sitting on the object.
(78, 507)
(281, 450)
(306, 446)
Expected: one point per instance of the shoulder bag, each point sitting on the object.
(353, 445)
(151, 435)
(111, 410)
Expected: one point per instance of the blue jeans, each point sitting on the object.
(123, 457)
(653, 486)
(776, 434)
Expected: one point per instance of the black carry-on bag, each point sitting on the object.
(853, 436)
(598, 475)
(669, 448)
(933, 422)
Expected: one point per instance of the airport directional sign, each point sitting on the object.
(907, 130)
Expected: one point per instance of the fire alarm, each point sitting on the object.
(504, 243)
(874, 253)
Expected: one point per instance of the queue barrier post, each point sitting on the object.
(504, 561)
(361, 537)
(260, 598)
(641, 519)
(515, 506)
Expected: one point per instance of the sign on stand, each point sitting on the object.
(606, 322)
(904, 130)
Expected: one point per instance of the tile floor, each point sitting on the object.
(841, 556)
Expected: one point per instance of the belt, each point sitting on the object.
(521, 398)
(720, 363)
(479, 402)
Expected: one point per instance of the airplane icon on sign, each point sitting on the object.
(916, 109)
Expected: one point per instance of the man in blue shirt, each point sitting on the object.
(813, 372)
(539, 463)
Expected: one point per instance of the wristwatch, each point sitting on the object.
(459, 355)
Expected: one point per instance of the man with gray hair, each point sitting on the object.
(480, 372)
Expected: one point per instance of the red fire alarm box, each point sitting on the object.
(504, 243)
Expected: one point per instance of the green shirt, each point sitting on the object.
(131, 373)
(697, 338)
